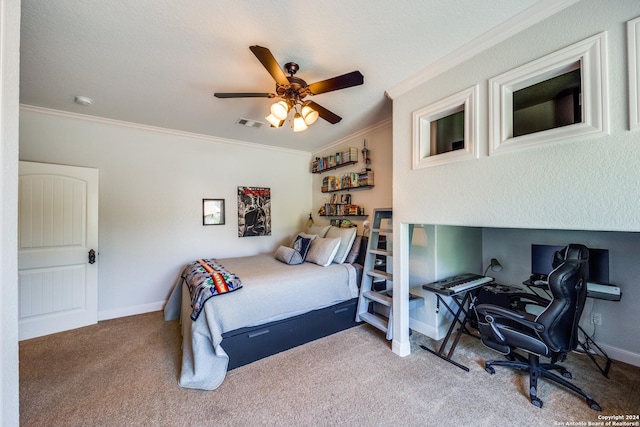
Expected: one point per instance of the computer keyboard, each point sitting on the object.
(456, 284)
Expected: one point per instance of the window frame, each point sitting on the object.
(633, 55)
(591, 56)
(465, 100)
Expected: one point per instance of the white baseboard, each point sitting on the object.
(621, 355)
(130, 311)
(428, 330)
(402, 349)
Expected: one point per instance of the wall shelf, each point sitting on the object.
(352, 162)
(361, 187)
(344, 216)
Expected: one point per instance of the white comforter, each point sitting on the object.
(271, 291)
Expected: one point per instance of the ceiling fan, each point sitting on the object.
(293, 91)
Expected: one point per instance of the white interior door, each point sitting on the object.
(57, 229)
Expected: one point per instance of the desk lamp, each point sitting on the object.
(494, 266)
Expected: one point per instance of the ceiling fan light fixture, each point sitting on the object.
(280, 110)
(275, 122)
(292, 90)
(309, 115)
(298, 124)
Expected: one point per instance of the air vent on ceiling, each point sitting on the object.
(250, 123)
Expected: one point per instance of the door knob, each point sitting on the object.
(92, 256)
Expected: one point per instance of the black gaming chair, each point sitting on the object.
(553, 333)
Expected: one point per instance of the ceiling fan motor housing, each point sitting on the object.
(291, 67)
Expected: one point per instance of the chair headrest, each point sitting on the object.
(574, 253)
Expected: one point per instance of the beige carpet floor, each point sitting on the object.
(124, 372)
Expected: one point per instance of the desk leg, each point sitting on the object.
(589, 343)
(456, 319)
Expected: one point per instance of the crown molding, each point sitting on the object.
(154, 129)
(359, 134)
(531, 16)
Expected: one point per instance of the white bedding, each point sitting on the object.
(271, 290)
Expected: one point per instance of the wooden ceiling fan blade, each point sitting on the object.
(353, 78)
(324, 113)
(269, 62)
(243, 95)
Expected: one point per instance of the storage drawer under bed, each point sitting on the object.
(249, 344)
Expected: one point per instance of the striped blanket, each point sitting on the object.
(206, 278)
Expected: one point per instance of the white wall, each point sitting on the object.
(379, 141)
(9, 91)
(587, 184)
(152, 183)
(581, 184)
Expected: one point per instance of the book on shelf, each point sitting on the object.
(353, 154)
(365, 177)
(326, 162)
(334, 183)
(345, 198)
(325, 184)
(342, 209)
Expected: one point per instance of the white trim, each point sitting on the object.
(131, 311)
(621, 355)
(531, 16)
(148, 128)
(9, 142)
(402, 349)
(591, 54)
(633, 55)
(436, 333)
(467, 101)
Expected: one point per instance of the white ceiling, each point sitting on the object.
(158, 62)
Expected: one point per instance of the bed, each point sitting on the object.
(277, 307)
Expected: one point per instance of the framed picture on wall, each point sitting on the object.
(212, 211)
(254, 211)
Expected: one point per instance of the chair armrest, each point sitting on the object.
(495, 310)
(533, 298)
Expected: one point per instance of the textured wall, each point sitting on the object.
(578, 184)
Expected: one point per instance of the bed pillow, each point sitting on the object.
(288, 255)
(321, 231)
(305, 235)
(355, 251)
(323, 251)
(302, 245)
(346, 236)
(296, 254)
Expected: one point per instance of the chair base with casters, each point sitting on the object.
(538, 370)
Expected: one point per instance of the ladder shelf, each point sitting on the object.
(373, 304)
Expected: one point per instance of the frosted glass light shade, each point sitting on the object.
(280, 110)
(298, 123)
(275, 122)
(309, 114)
